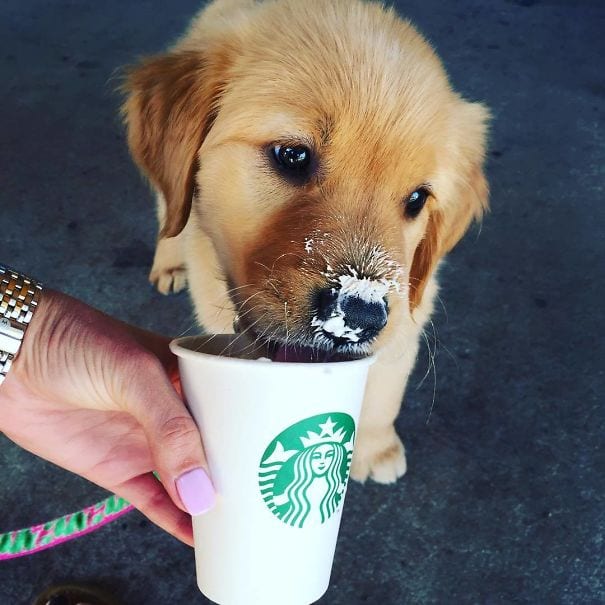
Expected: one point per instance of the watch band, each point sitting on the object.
(19, 296)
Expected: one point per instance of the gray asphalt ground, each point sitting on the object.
(504, 499)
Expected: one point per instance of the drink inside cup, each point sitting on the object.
(279, 441)
(241, 347)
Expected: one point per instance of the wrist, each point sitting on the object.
(45, 324)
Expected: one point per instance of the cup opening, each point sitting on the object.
(223, 345)
(233, 346)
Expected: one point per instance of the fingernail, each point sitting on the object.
(196, 491)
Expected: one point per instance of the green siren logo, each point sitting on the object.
(304, 470)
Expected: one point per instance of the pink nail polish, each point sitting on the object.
(196, 491)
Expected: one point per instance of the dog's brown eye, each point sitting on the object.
(294, 158)
(415, 202)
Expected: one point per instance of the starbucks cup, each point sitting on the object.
(279, 439)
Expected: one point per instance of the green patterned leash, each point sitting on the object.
(30, 540)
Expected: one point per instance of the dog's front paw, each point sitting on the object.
(379, 456)
(168, 272)
(168, 280)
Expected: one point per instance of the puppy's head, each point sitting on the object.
(321, 148)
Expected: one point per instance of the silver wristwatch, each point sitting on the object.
(19, 296)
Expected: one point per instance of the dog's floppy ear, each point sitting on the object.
(464, 194)
(170, 105)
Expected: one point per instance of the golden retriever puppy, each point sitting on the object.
(312, 166)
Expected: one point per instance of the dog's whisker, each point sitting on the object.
(251, 310)
(431, 365)
(258, 339)
(222, 307)
(227, 294)
(186, 331)
(430, 359)
(439, 345)
(242, 305)
(269, 279)
(212, 337)
(442, 306)
(256, 262)
(428, 418)
(248, 311)
(241, 335)
(299, 256)
(238, 288)
(273, 334)
(270, 282)
(241, 313)
(252, 345)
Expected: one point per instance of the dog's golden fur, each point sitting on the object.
(365, 92)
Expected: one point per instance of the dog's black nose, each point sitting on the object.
(349, 317)
(370, 316)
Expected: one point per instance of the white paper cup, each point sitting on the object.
(279, 439)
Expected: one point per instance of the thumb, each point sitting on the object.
(174, 440)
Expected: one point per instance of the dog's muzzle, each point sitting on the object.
(348, 318)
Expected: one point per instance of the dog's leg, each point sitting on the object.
(379, 453)
(168, 273)
(207, 283)
(190, 259)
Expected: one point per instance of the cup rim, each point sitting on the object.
(176, 346)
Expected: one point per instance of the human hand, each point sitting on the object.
(94, 396)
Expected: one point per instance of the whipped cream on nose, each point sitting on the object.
(368, 290)
(336, 326)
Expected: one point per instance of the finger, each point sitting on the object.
(173, 438)
(148, 495)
